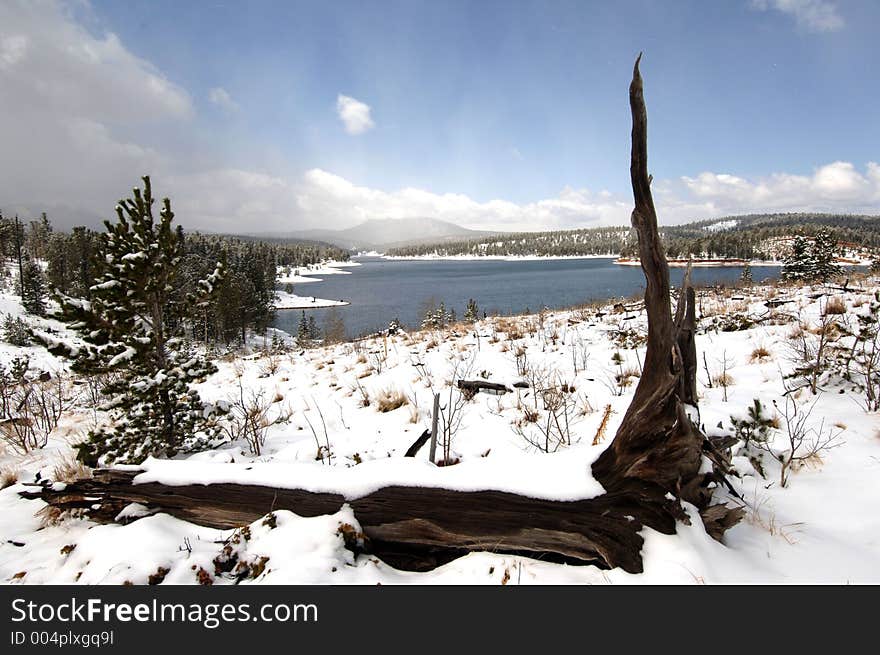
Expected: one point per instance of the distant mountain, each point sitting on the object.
(381, 234)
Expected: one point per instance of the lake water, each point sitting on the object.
(380, 289)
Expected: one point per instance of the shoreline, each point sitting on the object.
(285, 301)
(507, 258)
(673, 263)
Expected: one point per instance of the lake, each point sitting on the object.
(381, 289)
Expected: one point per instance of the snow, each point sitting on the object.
(284, 300)
(557, 476)
(720, 226)
(293, 276)
(822, 528)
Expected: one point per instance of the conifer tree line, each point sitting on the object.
(739, 237)
(47, 261)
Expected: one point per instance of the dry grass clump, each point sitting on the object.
(414, 413)
(723, 379)
(603, 425)
(387, 400)
(760, 353)
(69, 469)
(8, 477)
(512, 328)
(835, 305)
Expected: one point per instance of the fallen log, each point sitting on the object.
(475, 386)
(411, 528)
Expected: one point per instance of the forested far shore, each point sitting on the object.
(753, 236)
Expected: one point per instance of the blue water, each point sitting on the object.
(380, 290)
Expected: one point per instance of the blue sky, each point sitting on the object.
(490, 114)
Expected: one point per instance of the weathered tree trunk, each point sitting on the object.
(657, 441)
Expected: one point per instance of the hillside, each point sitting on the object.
(745, 237)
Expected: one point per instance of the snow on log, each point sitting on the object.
(411, 528)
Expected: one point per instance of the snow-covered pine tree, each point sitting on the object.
(798, 264)
(302, 332)
(17, 239)
(33, 288)
(746, 275)
(824, 255)
(132, 324)
(471, 312)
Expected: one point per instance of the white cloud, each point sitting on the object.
(327, 199)
(220, 97)
(354, 114)
(837, 186)
(811, 15)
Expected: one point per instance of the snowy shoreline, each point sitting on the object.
(674, 263)
(507, 258)
(285, 300)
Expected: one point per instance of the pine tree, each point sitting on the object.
(33, 288)
(16, 331)
(798, 264)
(132, 324)
(746, 276)
(334, 327)
(17, 239)
(303, 338)
(824, 255)
(38, 235)
(471, 312)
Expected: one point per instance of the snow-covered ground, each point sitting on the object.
(342, 417)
